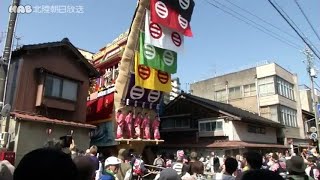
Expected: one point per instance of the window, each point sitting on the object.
(256, 129)
(288, 116)
(182, 123)
(285, 88)
(167, 124)
(266, 86)
(235, 92)
(270, 112)
(175, 123)
(208, 126)
(249, 90)
(221, 95)
(60, 88)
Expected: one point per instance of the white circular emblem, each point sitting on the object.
(168, 57)
(136, 92)
(184, 4)
(149, 51)
(153, 96)
(183, 22)
(161, 9)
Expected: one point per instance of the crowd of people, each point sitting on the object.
(55, 162)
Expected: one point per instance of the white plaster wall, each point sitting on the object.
(241, 133)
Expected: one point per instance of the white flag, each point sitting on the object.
(162, 37)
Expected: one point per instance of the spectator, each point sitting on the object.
(6, 170)
(312, 169)
(178, 165)
(169, 174)
(125, 167)
(197, 170)
(253, 160)
(86, 167)
(278, 167)
(93, 155)
(231, 166)
(261, 174)
(112, 165)
(48, 164)
(296, 169)
(159, 161)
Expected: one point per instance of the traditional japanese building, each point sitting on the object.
(194, 123)
(47, 90)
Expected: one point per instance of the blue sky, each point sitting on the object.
(220, 44)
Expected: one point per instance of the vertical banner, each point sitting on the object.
(157, 58)
(150, 78)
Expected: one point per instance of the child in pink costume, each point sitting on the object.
(120, 122)
(137, 126)
(146, 127)
(155, 127)
(128, 125)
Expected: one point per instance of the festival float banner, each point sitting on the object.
(141, 97)
(100, 108)
(157, 58)
(183, 7)
(162, 37)
(165, 15)
(149, 78)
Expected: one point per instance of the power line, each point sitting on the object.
(305, 16)
(254, 24)
(287, 33)
(303, 39)
(296, 26)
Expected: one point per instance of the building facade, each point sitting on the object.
(268, 90)
(47, 89)
(194, 123)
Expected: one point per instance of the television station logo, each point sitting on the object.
(46, 9)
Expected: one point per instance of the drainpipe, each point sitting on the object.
(258, 97)
(227, 92)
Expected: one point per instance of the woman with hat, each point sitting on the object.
(112, 165)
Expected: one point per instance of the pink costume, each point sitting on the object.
(146, 127)
(120, 122)
(128, 125)
(137, 126)
(155, 127)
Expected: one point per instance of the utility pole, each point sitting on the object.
(312, 74)
(4, 63)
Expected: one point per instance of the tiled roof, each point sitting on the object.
(227, 144)
(37, 118)
(244, 115)
(66, 43)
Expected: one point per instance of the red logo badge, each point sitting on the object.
(144, 72)
(163, 77)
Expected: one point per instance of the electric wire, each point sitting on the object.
(285, 32)
(253, 24)
(302, 38)
(297, 27)
(306, 17)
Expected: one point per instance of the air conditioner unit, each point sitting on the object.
(4, 137)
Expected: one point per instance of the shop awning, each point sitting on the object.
(228, 144)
